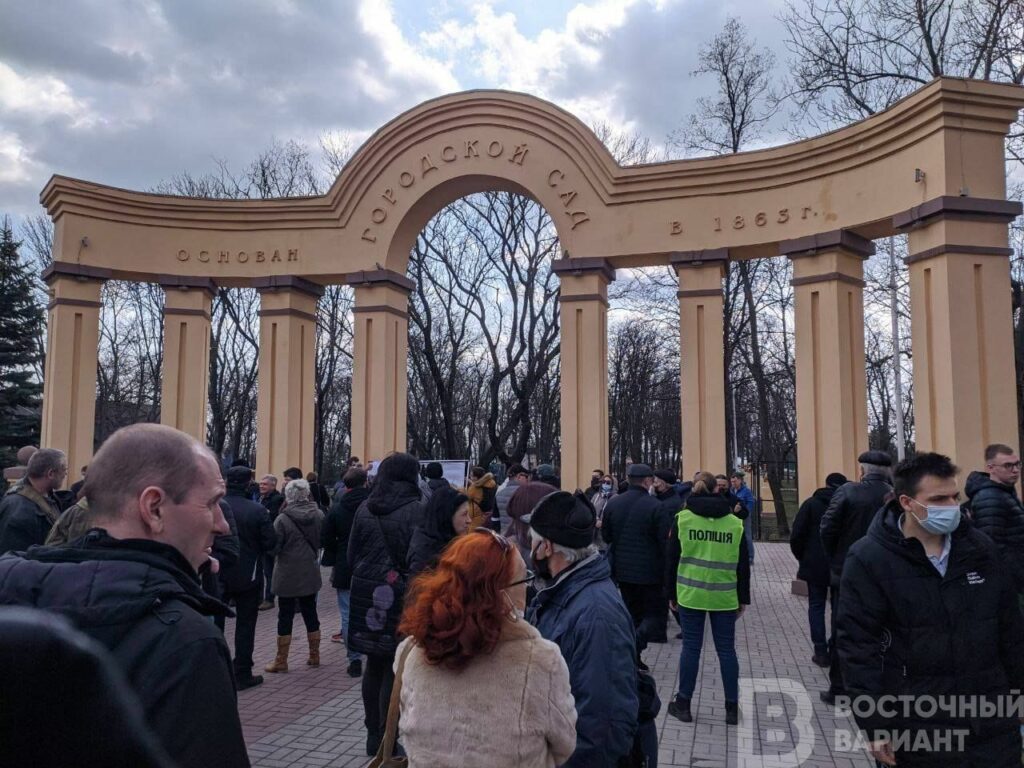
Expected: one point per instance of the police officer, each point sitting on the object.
(709, 570)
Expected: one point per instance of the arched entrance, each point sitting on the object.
(931, 166)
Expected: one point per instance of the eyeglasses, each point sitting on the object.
(1009, 466)
(530, 576)
(505, 544)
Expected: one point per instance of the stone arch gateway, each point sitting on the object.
(932, 166)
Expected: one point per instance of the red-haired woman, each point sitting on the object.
(475, 660)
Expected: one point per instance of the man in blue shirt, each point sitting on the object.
(746, 498)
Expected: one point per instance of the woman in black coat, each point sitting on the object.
(805, 543)
(378, 553)
(447, 516)
(336, 532)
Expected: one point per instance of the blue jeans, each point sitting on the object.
(817, 596)
(723, 630)
(344, 597)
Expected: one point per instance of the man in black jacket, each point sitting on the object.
(805, 543)
(846, 521)
(272, 499)
(131, 584)
(243, 580)
(635, 530)
(334, 536)
(29, 509)
(995, 508)
(930, 635)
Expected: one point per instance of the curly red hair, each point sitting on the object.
(456, 611)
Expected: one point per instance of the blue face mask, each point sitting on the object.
(606, 487)
(940, 520)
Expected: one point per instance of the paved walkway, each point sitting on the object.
(313, 717)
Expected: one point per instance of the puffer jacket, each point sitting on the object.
(481, 494)
(378, 553)
(26, 517)
(805, 539)
(142, 601)
(997, 512)
(903, 629)
(336, 532)
(296, 561)
(849, 515)
(583, 613)
(635, 530)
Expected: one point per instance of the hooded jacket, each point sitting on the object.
(336, 532)
(378, 552)
(481, 494)
(805, 539)
(997, 512)
(904, 629)
(142, 601)
(256, 538)
(712, 506)
(849, 514)
(297, 554)
(435, 532)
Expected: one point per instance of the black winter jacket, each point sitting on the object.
(378, 553)
(635, 529)
(903, 629)
(25, 520)
(336, 532)
(805, 539)
(273, 502)
(225, 551)
(996, 511)
(256, 538)
(142, 601)
(849, 515)
(710, 505)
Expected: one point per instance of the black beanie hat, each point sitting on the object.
(564, 518)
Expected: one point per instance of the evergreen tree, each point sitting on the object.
(21, 322)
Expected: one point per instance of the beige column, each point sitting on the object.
(584, 363)
(285, 401)
(380, 363)
(702, 359)
(186, 370)
(962, 328)
(831, 389)
(69, 376)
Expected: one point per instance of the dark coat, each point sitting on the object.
(336, 533)
(635, 530)
(435, 532)
(378, 552)
(997, 512)
(26, 517)
(849, 515)
(273, 501)
(903, 629)
(70, 698)
(805, 539)
(142, 601)
(256, 538)
(297, 554)
(710, 505)
(225, 551)
(583, 613)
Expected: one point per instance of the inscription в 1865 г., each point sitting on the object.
(240, 257)
(759, 219)
(466, 151)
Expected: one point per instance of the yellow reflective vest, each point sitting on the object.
(706, 577)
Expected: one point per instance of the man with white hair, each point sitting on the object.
(581, 611)
(131, 583)
(29, 509)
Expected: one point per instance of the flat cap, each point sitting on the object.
(639, 471)
(564, 518)
(875, 458)
(666, 475)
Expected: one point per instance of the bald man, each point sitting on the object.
(132, 584)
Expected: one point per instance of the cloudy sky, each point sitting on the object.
(131, 92)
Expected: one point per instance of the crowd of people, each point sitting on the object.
(448, 593)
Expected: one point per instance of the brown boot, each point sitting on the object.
(314, 649)
(280, 662)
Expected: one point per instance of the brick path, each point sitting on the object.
(313, 717)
